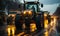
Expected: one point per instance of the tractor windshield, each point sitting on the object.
(32, 7)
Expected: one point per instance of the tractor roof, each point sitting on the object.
(33, 2)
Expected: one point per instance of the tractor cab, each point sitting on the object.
(34, 6)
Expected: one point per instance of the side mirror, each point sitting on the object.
(42, 5)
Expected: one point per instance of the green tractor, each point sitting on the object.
(34, 8)
(31, 16)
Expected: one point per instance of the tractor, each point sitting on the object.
(31, 17)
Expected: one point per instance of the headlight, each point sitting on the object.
(27, 12)
(45, 15)
(13, 15)
(30, 12)
(24, 12)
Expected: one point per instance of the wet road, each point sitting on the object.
(49, 31)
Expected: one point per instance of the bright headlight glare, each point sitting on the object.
(45, 14)
(30, 12)
(27, 12)
(24, 12)
(13, 15)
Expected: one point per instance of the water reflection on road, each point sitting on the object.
(49, 29)
(52, 27)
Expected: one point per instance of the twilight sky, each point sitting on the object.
(49, 5)
(50, 8)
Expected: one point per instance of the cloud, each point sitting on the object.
(50, 8)
(44, 1)
(49, 1)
